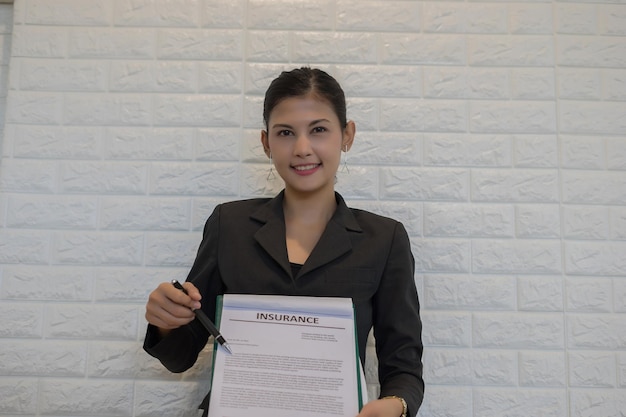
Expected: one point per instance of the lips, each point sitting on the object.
(306, 167)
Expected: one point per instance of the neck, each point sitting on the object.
(309, 208)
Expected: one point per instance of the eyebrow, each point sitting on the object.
(313, 122)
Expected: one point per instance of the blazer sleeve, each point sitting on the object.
(398, 327)
(179, 350)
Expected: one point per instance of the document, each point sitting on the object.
(290, 356)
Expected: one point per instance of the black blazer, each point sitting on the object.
(360, 255)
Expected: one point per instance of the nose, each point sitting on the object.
(302, 147)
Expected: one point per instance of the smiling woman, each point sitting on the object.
(304, 242)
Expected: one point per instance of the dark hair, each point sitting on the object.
(300, 82)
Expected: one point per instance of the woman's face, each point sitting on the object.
(305, 140)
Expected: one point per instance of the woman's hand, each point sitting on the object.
(387, 407)
(169, 308)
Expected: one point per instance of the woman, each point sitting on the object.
(305, 241)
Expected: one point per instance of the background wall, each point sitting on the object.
(495, 130)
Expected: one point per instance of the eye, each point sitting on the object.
(284, 132)
(319, 129)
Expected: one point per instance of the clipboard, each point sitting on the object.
(291, 355)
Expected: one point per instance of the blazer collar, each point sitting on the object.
(334, 242)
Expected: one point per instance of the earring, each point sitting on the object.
(344, 165)
(270, 175)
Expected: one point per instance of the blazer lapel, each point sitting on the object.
(334, 242)
(271, 235)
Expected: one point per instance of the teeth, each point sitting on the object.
(305, 167)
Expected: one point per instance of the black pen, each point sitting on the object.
(206, 322)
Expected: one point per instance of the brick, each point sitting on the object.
(39, 41)
(542, 369)
(223, 14)
(592, 118)
(431, 49)
(150, 76)
(616, 153)
(446, 400)
(19, 395)
(467, 150)
(538, 221)
(332, 47)
(591, 51)
(424, 184)
(104, 177)
(69, 13)
(132, 284)
(34, 107)
(584, 152)
(514, 330)
(201, 210)
(614, 84)
(593, 187)
(528, 18)
(197, 110)
(200, 44)
(66, 75)
(589, 294)
(87, 397)
(206, 179)
(532, 84)
(285, 14)
(145, 214)
(386, 149)
(612, 19)
(417, 115)
(26, 282)
(516, 256)
(145, 143)
(535, 151)
(458, 219)
(21, 320)
(129, 43)
(621, 369)
(177, 250)
(217, 144)
(170, 13)
(617, 216)
(576, 18)
(460, 292)
(98, 248)
(446, 329)
(45, 358)
(601, 402)
(453, 82)
(523, 402)
(441, 255)
(519, 50)
(375, 16)
(448, 366)
(51, 212)
(512, 117)
(168, 397)
(24, 247)
(518, 185)
(585, 222)
(595, 258)
(592, 369)
(579, 83)
(267, 46)
(380, 81)
(255, 181)
(23, 175)
(366, 111)
(220, 77)
(595, 331)
(107, 109)
(409, 214)
(58, 142)
(85, 321)
(540, 293)
(359, 182)
(496, 368)
(619, 295)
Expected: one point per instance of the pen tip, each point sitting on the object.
(227, 347)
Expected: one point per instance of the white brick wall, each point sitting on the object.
(495, 130)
